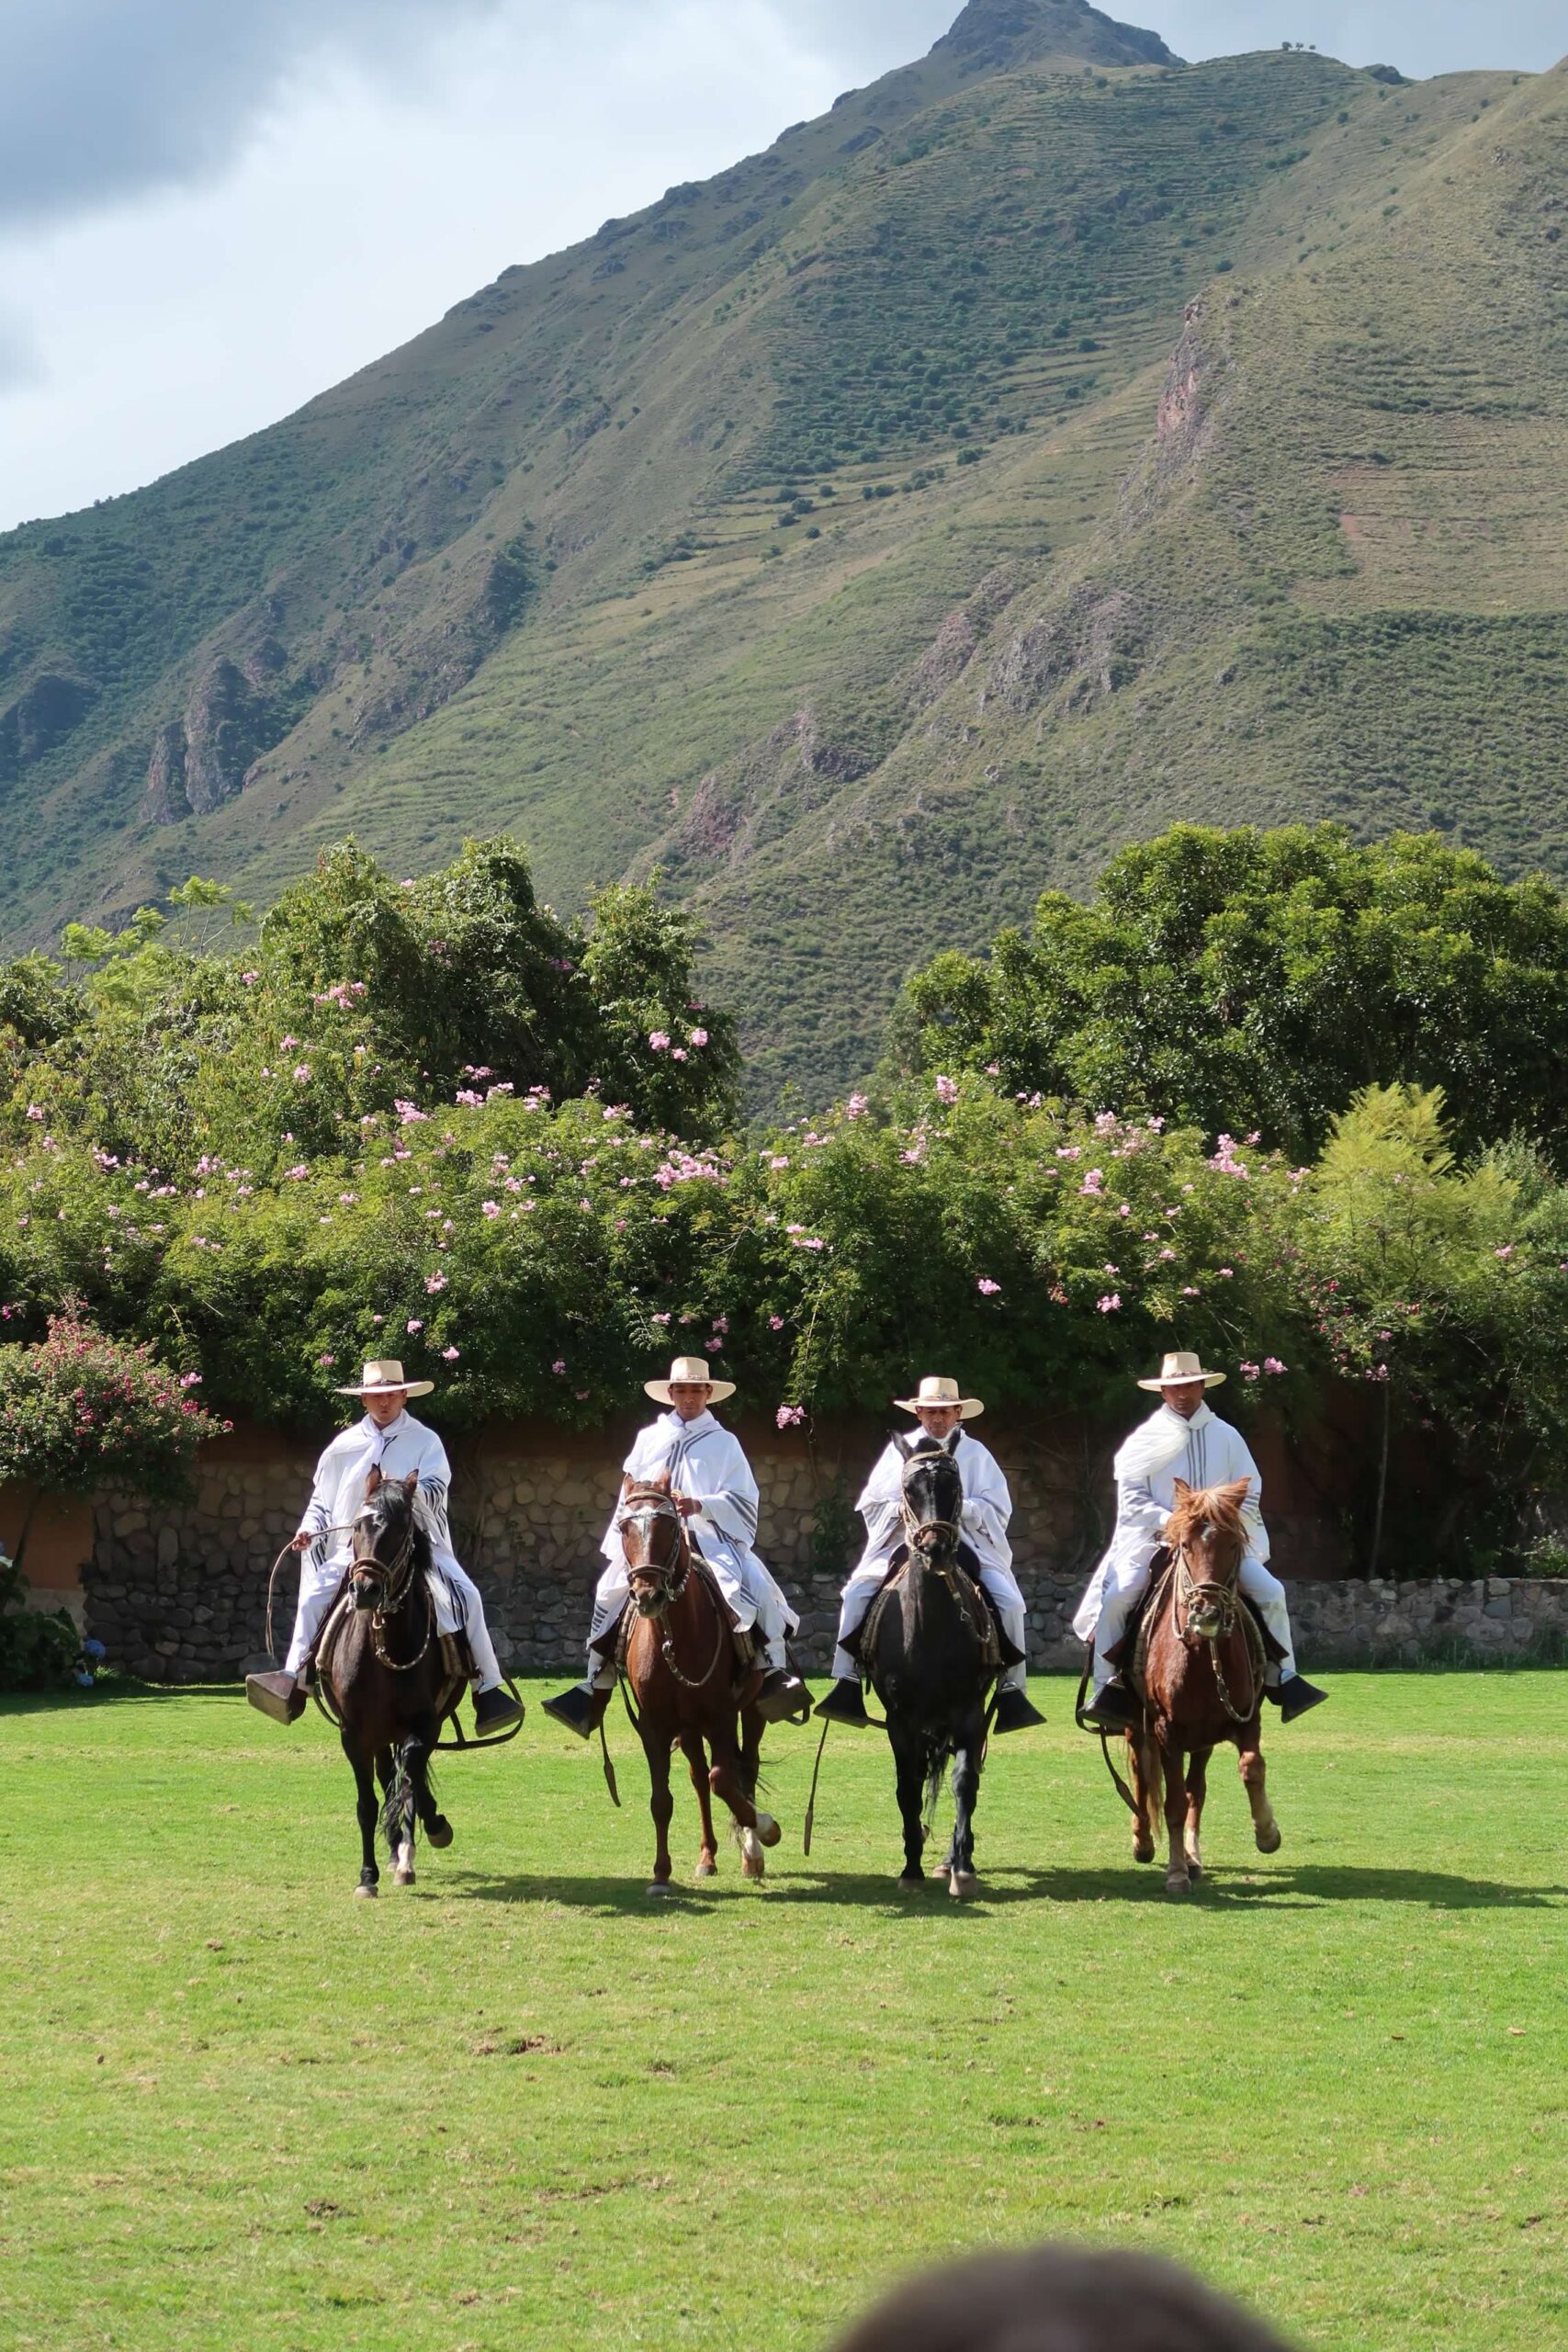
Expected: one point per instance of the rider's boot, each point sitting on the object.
(582, 1709)
(844, 1704)
(1114, 1707)
(1014, 1712)
(783, 1694)
(496, 1710)
(279, 1695)
(1295, 1697)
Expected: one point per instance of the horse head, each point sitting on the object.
(383, 1540)
(932, 1498)
(654, 1542)
(1208, 1534)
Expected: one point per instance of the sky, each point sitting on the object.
(209, 212)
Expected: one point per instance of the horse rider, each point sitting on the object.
(712, 1488)
(987, 1508)
(387, 1439)
(1184, 1440)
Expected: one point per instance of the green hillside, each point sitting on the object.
(843, 535)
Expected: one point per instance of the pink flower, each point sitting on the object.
(1111, 1304)
(249, 980)
(789, 1416)
(658, 1039)
(856, 1107)
(1249, 1371)
(449, 1355)
(301, 1072)
(466, 1096)
(34, 1112)
(1272, 1365)
(413, 1325)
(699, 1036)
(947, 1090)
(491, 1208)
(1093, 1184)
(433, 1283)
(190, 1380)
(1506, 1251)
(327, 1361)
(987, 1288)
(559, 1368)
(713, 1346)
(295, 1175)
(776, 1322)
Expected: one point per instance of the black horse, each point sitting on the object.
(384, 1678)
(929, 1651)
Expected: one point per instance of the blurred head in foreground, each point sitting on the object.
(1059, 2298)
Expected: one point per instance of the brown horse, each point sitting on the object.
(383, 1675)
(1200, 1675)
(687, 1692)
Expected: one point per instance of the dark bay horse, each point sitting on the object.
(928, 1649)
(1200, 1675)
(384, 1676)
(680, 1667)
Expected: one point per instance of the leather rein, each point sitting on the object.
(669, 1578)
(1223, 1597)
(393, 1578)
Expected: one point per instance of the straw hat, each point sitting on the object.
(690, 1371)
(1182, 1367)
(935, 1391)
(382, 1375)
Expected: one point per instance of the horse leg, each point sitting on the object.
(369, 1813)
(1254, 1777)
(1197, 1790)
(697, 1764)
(418, 1805)
(727, 1780)
(1178, 1878)
(656, 1747)
(432, 1820)
(962, 1881)
(911, 1780)
(1143, 1757)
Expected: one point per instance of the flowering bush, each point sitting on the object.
(80, 1412)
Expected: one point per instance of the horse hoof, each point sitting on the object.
(661, 1886)
(402, 1878)
(1143, 1853)
(1270, 1840)
(706, 1868)
(440, 1832)
(367, 1893)
(1194, 1867)
(768, 1829)
(963, 1885)
(1178, 1883)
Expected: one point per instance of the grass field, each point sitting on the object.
(521, 2105)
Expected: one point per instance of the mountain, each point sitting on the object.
(1052, 441)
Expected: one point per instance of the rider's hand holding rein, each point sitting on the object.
(302, 1542)
(688, 1506)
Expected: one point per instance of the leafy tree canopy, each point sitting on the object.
(1256, 979)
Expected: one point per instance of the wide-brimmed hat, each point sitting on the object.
(935, 1391)
(1181, 1367)
(690, 1372)
(382, 1375)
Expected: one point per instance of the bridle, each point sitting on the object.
(935, 1540)
(667, 1579)
(1218, 1600)
(393, 1578)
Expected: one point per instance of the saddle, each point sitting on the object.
(748, 1650)
(1129, 1653)
(995, 1651)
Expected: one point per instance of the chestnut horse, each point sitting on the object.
(680, 1667)
(383, 1677)
(1199, 1673)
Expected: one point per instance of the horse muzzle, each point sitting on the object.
(650, 1596)
(366, 1590)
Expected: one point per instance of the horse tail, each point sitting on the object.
(397, 1811)
(936, 1760)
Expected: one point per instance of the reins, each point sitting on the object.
(670, 1577)
(1226, 1601)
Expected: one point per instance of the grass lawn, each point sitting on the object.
(521, 2105)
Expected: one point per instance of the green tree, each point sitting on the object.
(1249, 980)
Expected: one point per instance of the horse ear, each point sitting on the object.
(411, 1485)
(953, 1437)
(905, 1445)
(1236, 1491)
(372, 1484)
(1181, 1490)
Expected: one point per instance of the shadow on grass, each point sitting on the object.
(1238, 1888)
(115, 1690)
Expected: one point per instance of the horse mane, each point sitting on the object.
(1216, 1507)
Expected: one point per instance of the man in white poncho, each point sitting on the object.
(1184, 1440)
(712, 1488)
(387, 1439)
(987, 1511)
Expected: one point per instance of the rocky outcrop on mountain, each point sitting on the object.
(998, 34)
(40, 720)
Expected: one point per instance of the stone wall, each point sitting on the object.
(180, 1596)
